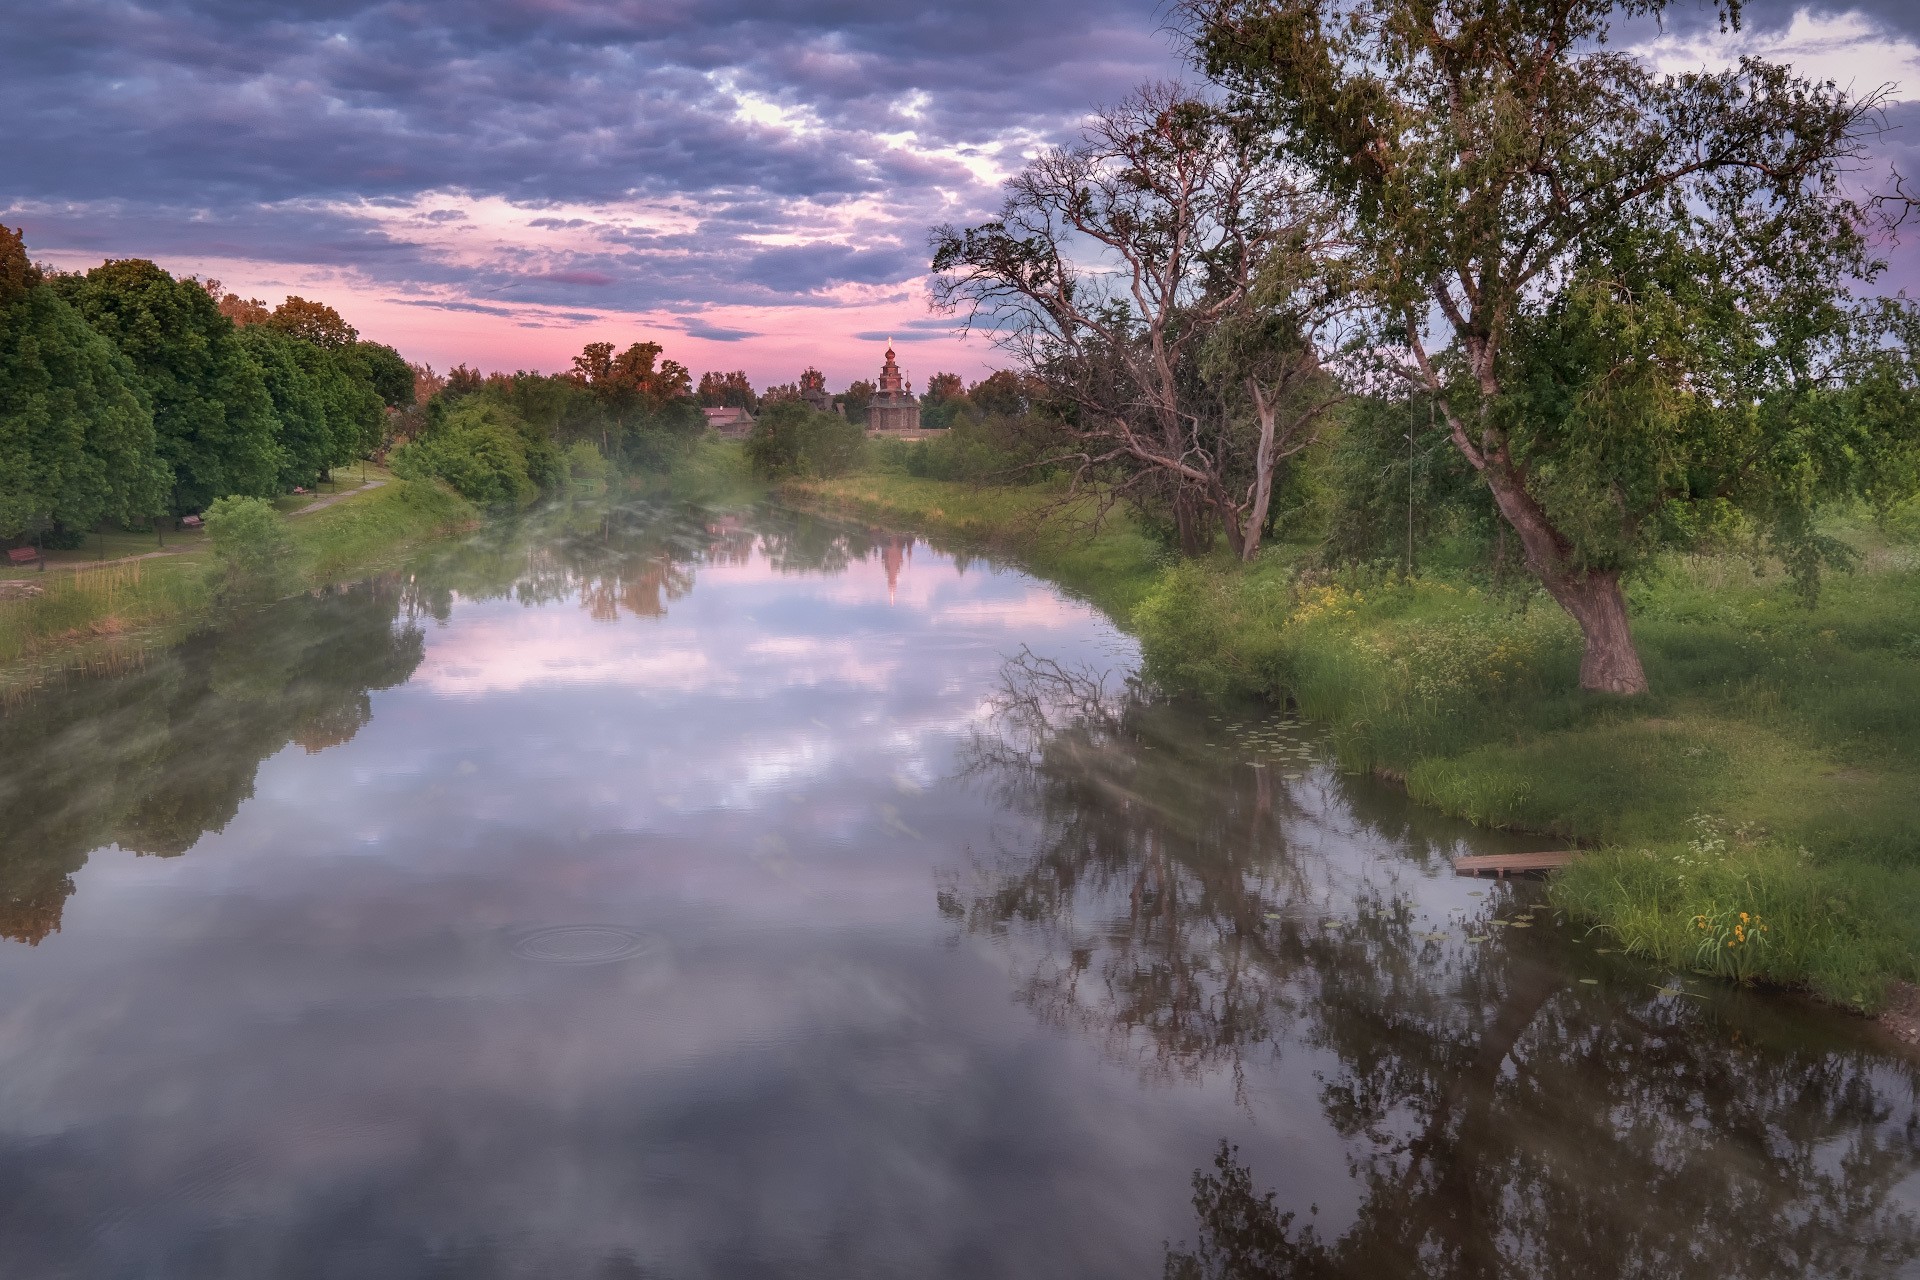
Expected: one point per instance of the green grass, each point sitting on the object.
(1774, 769)
(150, 599)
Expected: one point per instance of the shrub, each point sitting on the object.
(478, 448)
(995, 448)
(792, 440)
(584, 465)
(252, 554)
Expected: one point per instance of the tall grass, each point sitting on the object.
(79, 606)
(88, 604)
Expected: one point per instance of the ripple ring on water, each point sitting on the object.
(581, 944)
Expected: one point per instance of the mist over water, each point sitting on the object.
(659, 891)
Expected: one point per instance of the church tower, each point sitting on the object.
(893, 407)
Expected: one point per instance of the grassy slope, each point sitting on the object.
(1773, 771)
(91, 605)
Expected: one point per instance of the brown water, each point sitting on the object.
(666, 892)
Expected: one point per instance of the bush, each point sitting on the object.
(479, 449)
(252, 554)
(996, 448)
(585, 467)
(793, 440)
(1902, 522)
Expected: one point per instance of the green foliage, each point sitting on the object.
(563, 409)
(657, 439)
(328, 412)
(1367, 465)
(584, 466)
(383, 369)
(77, 442)
(483, 452)
(212, 414)
(1843, 930)
(252, 554)
(711, 471)
(345, 538)
(945, 400)
(304, 435)
(718, 390)
(994, 448)
(1637, 296)
(789, 439)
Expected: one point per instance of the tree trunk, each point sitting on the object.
(1187, 518)
(1611, 663)
(1256, 521)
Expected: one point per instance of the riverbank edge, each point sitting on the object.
(98, 616)
(1119, 568)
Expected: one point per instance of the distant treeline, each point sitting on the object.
(127, 395)
(946, 401)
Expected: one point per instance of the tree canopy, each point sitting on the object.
(1630, 295)
(211, 411)
(77, 442)
(127, 394)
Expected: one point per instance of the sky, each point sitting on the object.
(499, 182)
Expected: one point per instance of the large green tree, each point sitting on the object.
(211, 410)
(385, 370)
(356, 417)
(76, 440)
(1626, 293)
(305, 438)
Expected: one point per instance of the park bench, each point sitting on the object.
(190, 522)
(25, 555)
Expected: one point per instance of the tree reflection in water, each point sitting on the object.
(153, 757)
(1500, 1118)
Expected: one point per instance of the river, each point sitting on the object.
(672, 892)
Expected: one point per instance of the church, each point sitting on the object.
(893, 407)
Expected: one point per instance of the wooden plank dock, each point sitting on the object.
(1512, 864)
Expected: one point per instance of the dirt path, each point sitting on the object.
(332, 498)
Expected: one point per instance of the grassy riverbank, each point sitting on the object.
(149, 597)
(1772, 771)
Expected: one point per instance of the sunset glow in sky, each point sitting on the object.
(501, 181)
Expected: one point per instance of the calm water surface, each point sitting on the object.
(669, 892)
